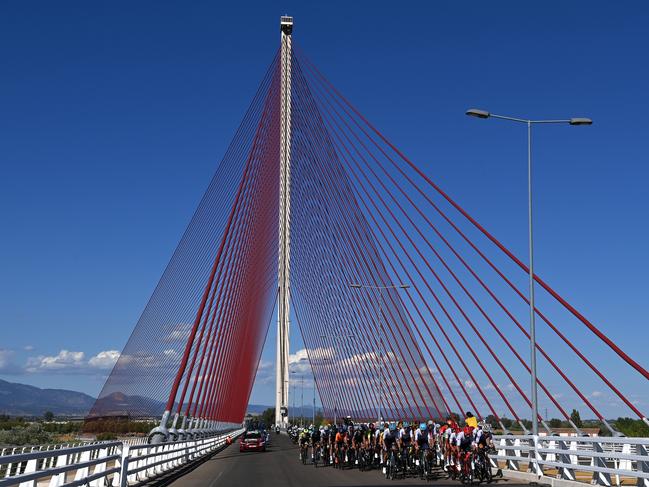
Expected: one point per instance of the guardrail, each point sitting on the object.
(114, 463)
(602, 461)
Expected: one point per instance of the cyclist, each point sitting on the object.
(432, 430)
(315, 442)
(304, 439)
(470, 420)
(404, 441)
(464, 442)
(421, 444)
(340, 445)
(390, 441)
(324, 442)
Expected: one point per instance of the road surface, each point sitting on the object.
(281, 467)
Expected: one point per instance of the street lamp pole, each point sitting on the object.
(379, 358)
(473, 112)
(313, 420)
(302, 399)
(294, 387)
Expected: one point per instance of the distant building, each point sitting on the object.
(571, 432)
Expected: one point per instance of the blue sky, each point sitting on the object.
(114, 116)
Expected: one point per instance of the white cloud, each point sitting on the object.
(469, 384)
(28, 348)
(179, 333)
(64, 360)
(298, 356)
(104, 360)
(265, 365)
(596, 394)
(67, 361)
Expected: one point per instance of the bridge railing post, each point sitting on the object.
(533, 456)
(565, 473)
(599, 478)
(642, 450)
(120, 479)
(512, 452)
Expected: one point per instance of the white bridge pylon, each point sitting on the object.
(284, 260)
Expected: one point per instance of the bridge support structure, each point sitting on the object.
(283, 274)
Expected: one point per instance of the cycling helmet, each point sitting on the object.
(422, 426)
(392, 426)
(468, 430)
(363, 427)
(405, 424)
(371, 426)
(430, 422)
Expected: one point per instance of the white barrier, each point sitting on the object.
(116, 463)
(559, 457)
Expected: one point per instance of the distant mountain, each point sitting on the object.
(257, 408)
(120, 404)
(23, 400)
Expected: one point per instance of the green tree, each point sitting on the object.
(632, 427)
(319, 418)
(555, 423)
(491, 420)
(48, 416)
(268, 417)
(507, 423)
(574, 415)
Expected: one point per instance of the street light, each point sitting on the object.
(474, 112)
(379, 360)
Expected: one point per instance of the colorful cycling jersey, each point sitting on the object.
(340, 438)
(389, 438)
(471, 421)
(378, 436)
(315, 436)
(463, 441)
(370, 436)
(358, 436)
(431, 436)
(404, 436)
(421, 438)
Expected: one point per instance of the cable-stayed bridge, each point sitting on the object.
(407, 306)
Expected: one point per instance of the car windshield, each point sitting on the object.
(253, 435)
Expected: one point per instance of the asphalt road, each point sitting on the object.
(281, 467)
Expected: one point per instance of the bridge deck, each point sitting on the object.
(280, 466)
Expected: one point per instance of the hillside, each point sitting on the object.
(23, 400)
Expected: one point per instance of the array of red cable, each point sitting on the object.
(197, 344)
(456, 339)
(224, 345)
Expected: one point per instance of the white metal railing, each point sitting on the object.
(606, 460)
(115, 463)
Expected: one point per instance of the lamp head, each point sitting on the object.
(580, 121)
(474, 112)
